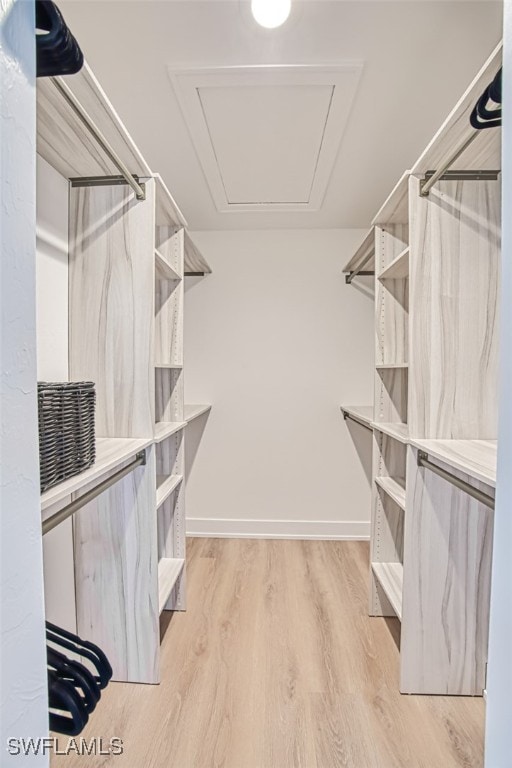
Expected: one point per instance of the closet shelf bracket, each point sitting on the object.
(431, 177)
(74, 506)
(93, 129)
(359, 270)
(476, 493)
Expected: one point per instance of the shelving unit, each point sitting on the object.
(390, 577)
(395, 488)
(363, 260)
(194, 411)
(165, 485)
(398, 267)
(164, 268)
(397, 431)
(111, 454)
(437, 252)
(360, 413)
(126, 287)
(169, 571)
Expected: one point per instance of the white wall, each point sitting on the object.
(499, 679)
(276, 341)
(23, 662)
(53, 365)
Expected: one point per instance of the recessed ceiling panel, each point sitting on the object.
(267, 137)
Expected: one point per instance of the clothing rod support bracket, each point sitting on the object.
(351, 275)
(103, 181)
(426, 183)
(476, 493)
(74, 506)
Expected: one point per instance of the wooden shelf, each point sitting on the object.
(170, 366)
(362, 413)
(391, 366)
(62, 139)
(164, 429)
(169, 571)
(164, 268)
(165, 485)
(395, 210)
(485, 152)
(476, 458)
(111, 453)
(367, 244)
(398, 268)
(394, 488)
(396, 430)
(391, 576)
(193, 411)
(194, 259)
(167, 212)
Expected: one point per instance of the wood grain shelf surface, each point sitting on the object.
(167, 212)
(111, 452)
(164, 268)
(395, 209)
(194, 259)
(390, 366)
(398, 268)
(64, 142)
(165, 485)
(365, 246)
(394, 487)
(397, 430)
(362, 413)
(193, 411)
(170, 366)
(169, 570)
(164, 429)
(391, 576)
(476, 458)
(485, 151)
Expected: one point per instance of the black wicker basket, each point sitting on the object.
(67, 443)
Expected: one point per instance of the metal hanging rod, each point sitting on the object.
(91, 126)
(483, 498)
(359, 270)
(347, 415)
(433, 176)
(74, 506)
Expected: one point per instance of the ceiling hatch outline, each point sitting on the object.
(315, 99)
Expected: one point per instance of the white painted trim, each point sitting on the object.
(343, 77)
(278, 529)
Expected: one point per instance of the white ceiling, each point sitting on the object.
(267, 152)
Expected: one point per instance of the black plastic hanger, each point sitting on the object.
(64, 697)
(75, 673)
(87, 650)
(482, 117)
(58, 53)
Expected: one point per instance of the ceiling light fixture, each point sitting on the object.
(271, 13)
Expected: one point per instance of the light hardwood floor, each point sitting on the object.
(277, 665)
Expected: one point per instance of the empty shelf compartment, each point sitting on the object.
(390, 577)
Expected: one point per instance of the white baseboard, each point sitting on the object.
(278, 529)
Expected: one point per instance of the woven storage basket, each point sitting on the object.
(67, 443)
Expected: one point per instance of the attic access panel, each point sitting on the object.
(267, 137)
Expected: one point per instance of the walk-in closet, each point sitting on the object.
(255, 363)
